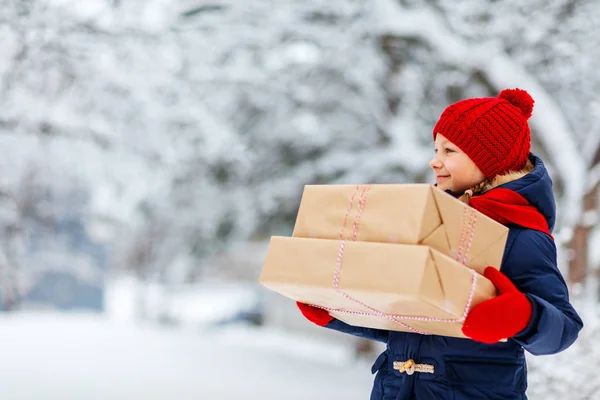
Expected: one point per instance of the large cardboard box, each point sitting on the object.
(407, 214)
(398, 287)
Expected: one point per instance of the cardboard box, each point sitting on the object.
(407, 214)
(380, 285)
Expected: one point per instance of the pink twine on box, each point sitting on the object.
(472, 223)
(361, 207)
(463, 231)
(393, 317)
(348, 212)
(469, 231)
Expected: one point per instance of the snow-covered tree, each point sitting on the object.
(210, 117)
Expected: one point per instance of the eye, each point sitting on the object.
(448, 150)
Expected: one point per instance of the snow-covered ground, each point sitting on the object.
(190, 305)
(200, 310)
(82, 356)
(207, 353)
(79, 356)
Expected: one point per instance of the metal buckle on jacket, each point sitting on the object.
(410, 367)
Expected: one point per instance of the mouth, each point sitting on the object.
(442, 178)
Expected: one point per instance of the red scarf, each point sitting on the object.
(509, 207)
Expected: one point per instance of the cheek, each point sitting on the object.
(460, 173)
(475, 174)
(452, 168)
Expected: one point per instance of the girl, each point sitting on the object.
(482, 156)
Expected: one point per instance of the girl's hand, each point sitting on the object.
(315, 315)
(501, 317)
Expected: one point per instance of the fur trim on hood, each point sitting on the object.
(511, 176)
(497, 181)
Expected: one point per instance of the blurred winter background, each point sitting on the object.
(149, 149)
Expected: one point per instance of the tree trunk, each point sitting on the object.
(8, 289)
(579, 248)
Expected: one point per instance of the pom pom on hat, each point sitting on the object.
(520, 99)
(492, 131)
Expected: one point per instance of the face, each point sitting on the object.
(453, 169)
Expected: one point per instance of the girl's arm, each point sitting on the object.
(531, 265)
(321, 317)
(379, 335)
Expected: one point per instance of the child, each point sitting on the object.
(482, 156)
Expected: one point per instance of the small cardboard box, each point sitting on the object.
(398, 287)
(406, 214)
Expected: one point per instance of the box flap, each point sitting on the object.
(490, 258)
(438, 240)
(474, 238)
(458, 283)
(433, 288)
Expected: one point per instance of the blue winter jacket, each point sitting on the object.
(465, 369)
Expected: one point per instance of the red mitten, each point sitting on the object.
(501, 317)
(315, 315)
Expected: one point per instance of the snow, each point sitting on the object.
(592, 142)
(594, 176)
(76, 356)
(302, 53)
(200, 310)
(594, 256)
(198, 305)
(589, 218)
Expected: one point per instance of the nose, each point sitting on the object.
(435, 163)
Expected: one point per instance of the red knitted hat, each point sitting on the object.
(492, 131)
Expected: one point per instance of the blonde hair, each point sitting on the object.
(486, 185)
